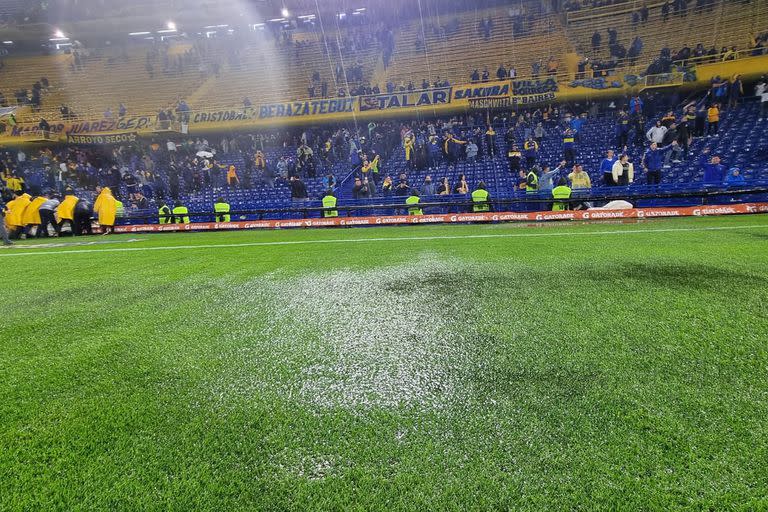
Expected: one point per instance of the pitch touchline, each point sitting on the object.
(11, 252)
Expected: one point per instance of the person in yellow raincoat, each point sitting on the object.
(65, 213)
(408, 144)
(106, 208)
(31, 217)
(15, 217)
(232, 178)
(259, 161)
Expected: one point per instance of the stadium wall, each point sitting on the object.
(497, 94)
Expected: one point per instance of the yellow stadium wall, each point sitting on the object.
(499, 94)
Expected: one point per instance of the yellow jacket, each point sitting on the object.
(32, 213)
(106, 207)
(66, 210)
(16, 208)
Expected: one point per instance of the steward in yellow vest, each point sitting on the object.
(222, 210)
(412, 201)
(329, 201)
(164, 213)
(480, 197)
(180, 214)
(531, 182)
(561, 191)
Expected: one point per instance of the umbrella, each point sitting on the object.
(205, 154)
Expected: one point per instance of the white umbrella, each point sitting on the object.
(205, 154)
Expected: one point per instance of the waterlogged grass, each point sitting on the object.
(624, 369)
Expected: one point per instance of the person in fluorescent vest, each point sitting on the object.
(119, 208)
(561, 191)
(531, 182)
(105, 207)
(329, 201)
(412, 201)
(164, 213)
(180, 214)
(222, 210)
(65, 213)
(480, 198)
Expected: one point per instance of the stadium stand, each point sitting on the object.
(279, 61)
(452, 49)
(724, 24)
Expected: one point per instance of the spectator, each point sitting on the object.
(514, 156)
(298, 189)
(671, 141)
(501, 72)
(735, 178)
(402, 188)
(578, 178)
(736, 91)
(713, 118)
(623, 171)
(428, 188)
(596, 40)
(656, 133)
(652, 163)
(445, 187)
(461, 186)
(531, 152)
(358, 190)
(386, 186)
(536, 68)
(490, 140)
(475, 76)
(569, 145)
(471, 151)
(549, 176)
(714, 170)
(761, 91)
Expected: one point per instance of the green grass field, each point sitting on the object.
(563, 367)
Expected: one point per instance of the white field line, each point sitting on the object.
(15, 252)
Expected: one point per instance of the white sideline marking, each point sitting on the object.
(13, 252)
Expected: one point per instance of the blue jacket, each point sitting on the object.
(714, 173)
(606, 166)
(654, 159)
(735, 181)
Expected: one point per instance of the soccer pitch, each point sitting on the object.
(570, 366)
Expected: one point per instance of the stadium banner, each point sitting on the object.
(221, 115)
(102, 138)
(428, 98)
(307, 108)
(124, 124)
(448, 218)
(531, 87)
(484, 90)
